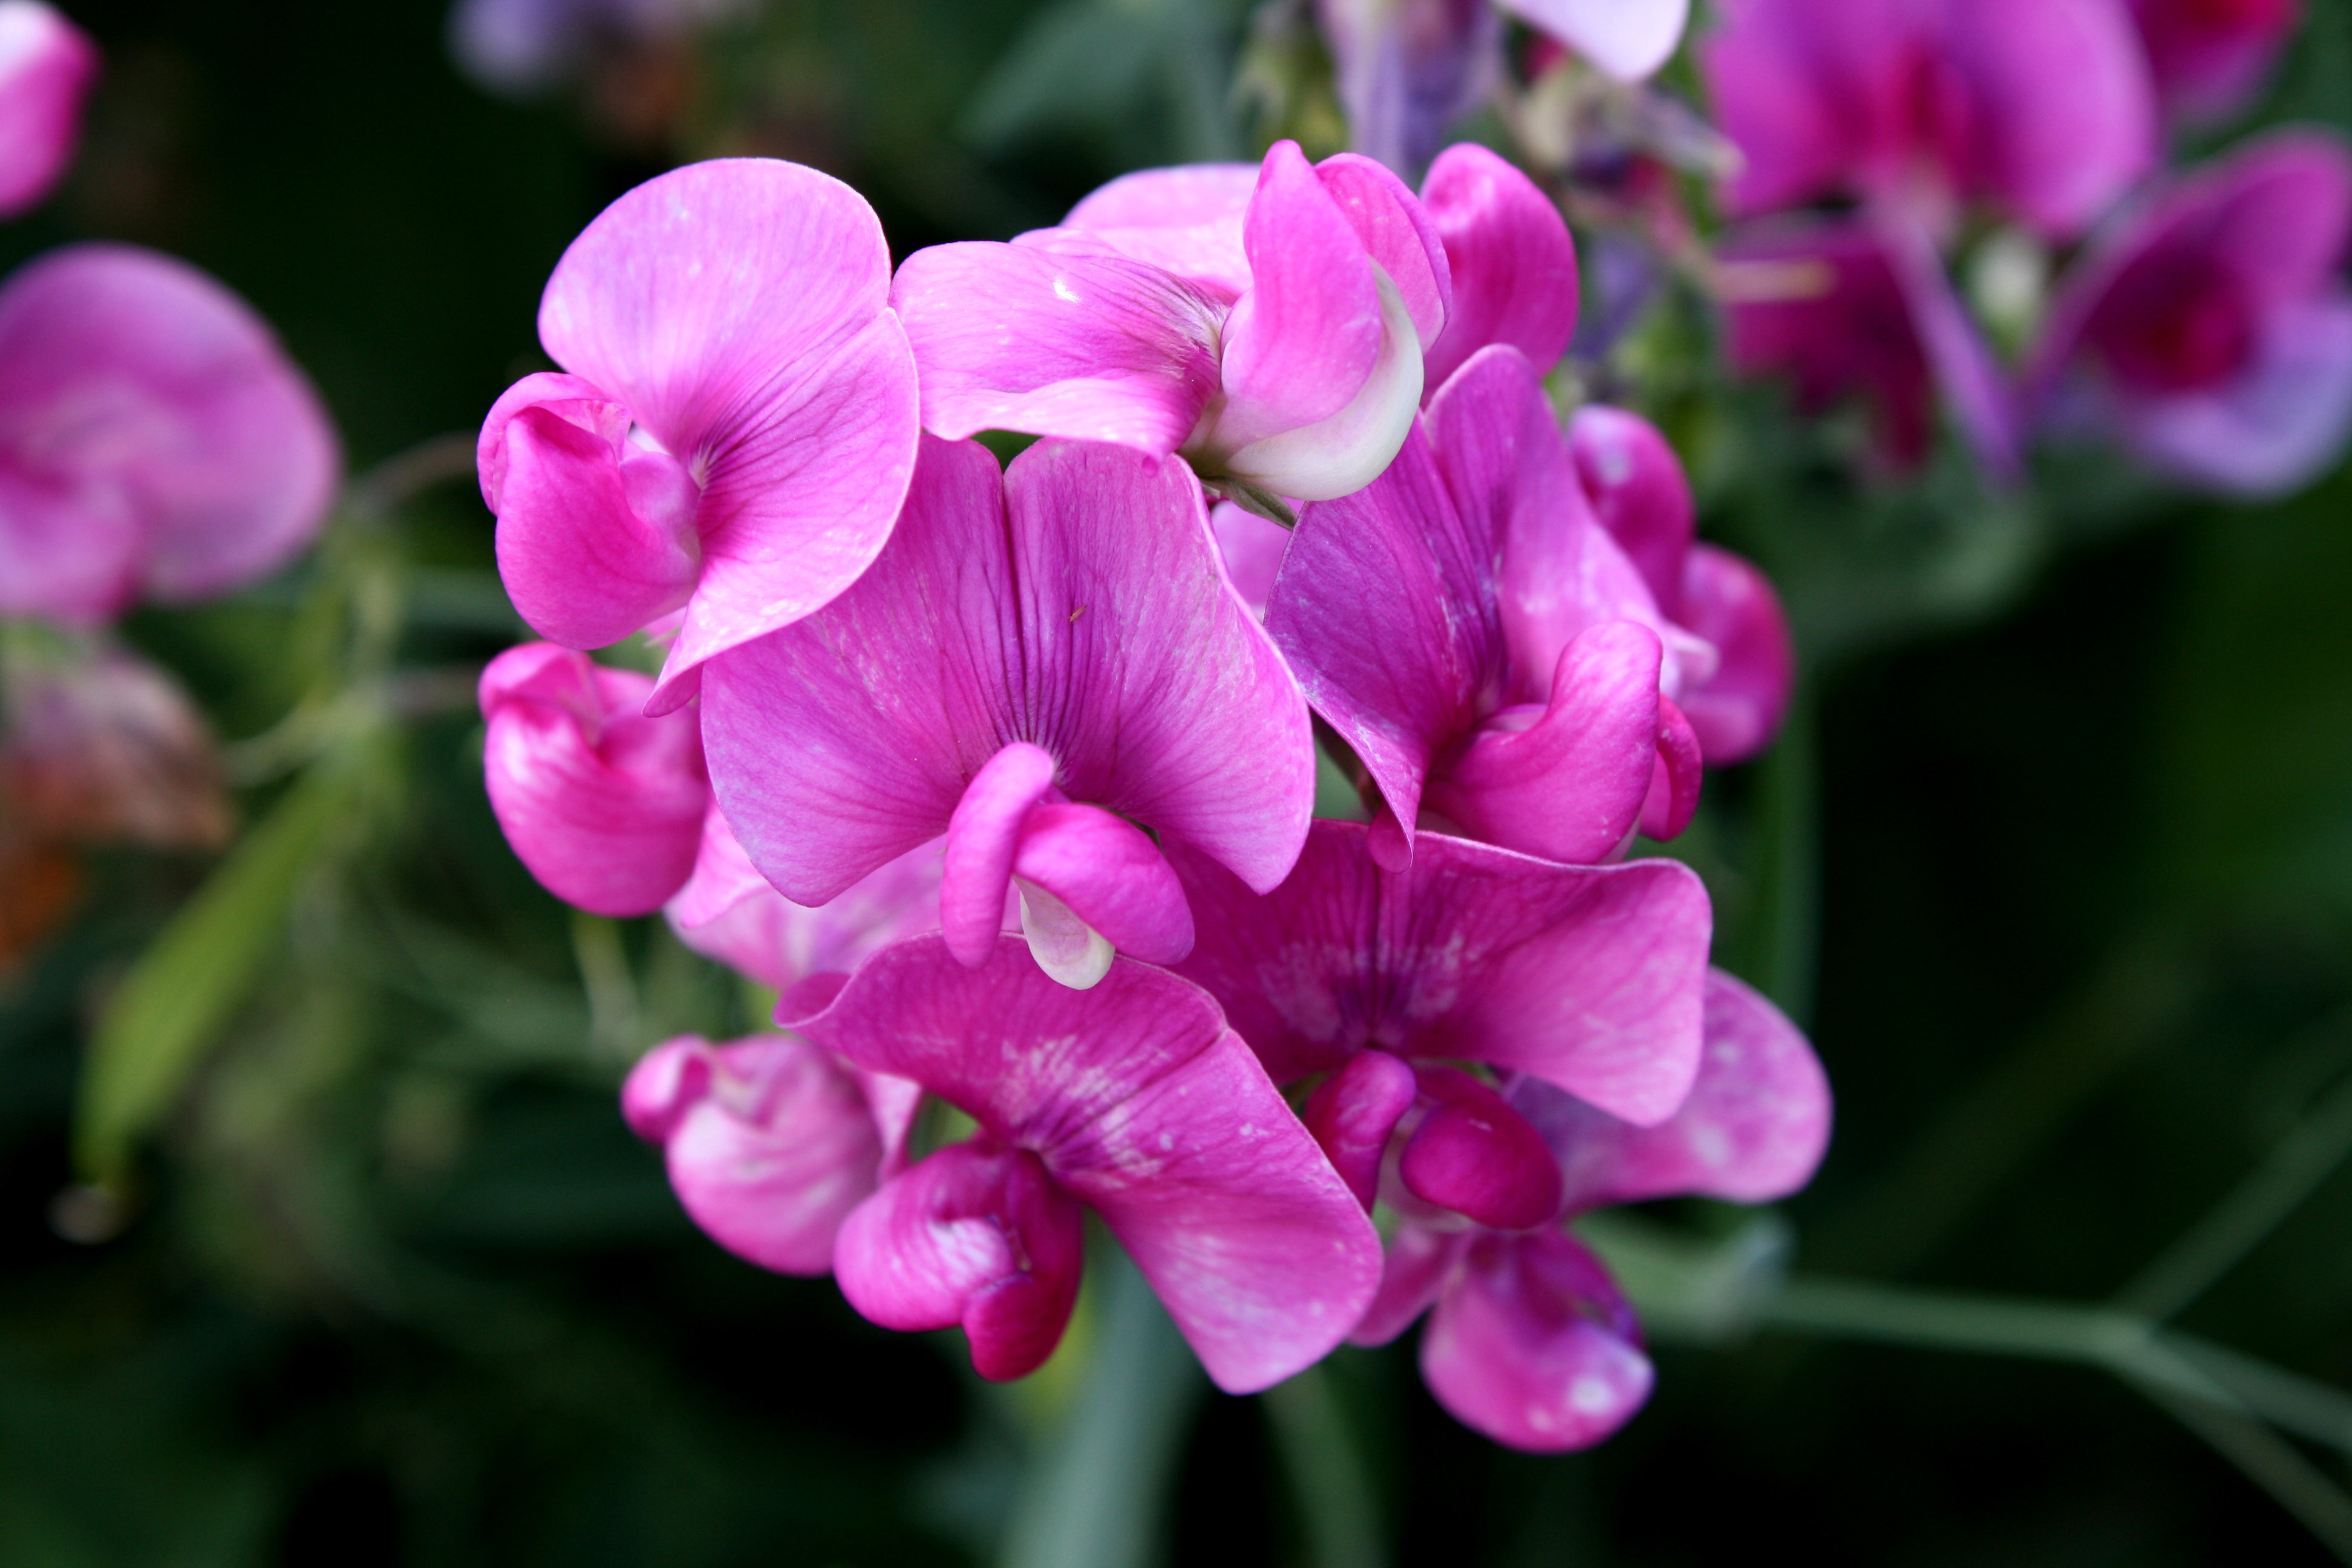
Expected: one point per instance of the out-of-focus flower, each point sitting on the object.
(1268, 324)
(770, 1142)
(154, 440)
(47, 66)
(1134, 1100)
(526, 45)
(2209, 57)
(1484, 644)
(602, 803)
(736, 423)
(101, 747)
(2211, 329)
(2040, 110)
(1530, 1342)
(1040, 660)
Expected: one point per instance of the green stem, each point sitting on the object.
(1312, 1435)
(1095, 1496)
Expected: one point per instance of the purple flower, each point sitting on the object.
(154, 441)
(46, 65)
(1484, 644)
(1133, 1099)
(736, 425)
(1530, 1342)
(2211, 329)
(1039, 660)
(1268, 326)
(2209, 57)
(2041, 110)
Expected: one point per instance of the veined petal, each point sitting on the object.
(1753, 1129)
(1398, 235)
(1138, 1100)
(1185, 220)
(1535, 1346)
(1508, 254)
(581, 564)
(973, 1236)
(1738, 710)
(46, 65)
(1089, 347)
(605, 805)
(1629, 39)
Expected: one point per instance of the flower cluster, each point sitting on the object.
(1003, 774)
(2201, 319)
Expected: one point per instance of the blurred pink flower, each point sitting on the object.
(736, 425)
(524, 45)
(101, 747)
(47, 66)
(154, 440)
(2209, 57)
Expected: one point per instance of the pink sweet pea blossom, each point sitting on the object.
(1510, 257)
(2209, 57)
(1133, 1099)
(735, 424)
(1040, 660)
(154, 440)
(2041, 110)
(1269, 326)
(1497, 662)
(46, 65)
(1531, 1342)
(770, 1142)
(2211, 330)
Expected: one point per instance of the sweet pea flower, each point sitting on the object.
(1508, 253)
(770, 1142)
(2209, 57)
(2040, 110)
(1587, 977)
(1531, 1342)
(1408, 68)
(2210, 331)
(47, 66)
(1267, 326)
(1040, 659)
(734, 426)
(1133, 1099)
(1481, 640)
(154, 440)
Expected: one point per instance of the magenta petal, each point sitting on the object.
(983, 838)
(1629, 39)
(2209, 59)
(1397, 235)
(1353, 1112)
(1421, 1262)
(1568, 786)
(1535, 1346)
(1674, 777)
(1111, 875)
(1093, 348)
(1140, 1101)
(769, 1140)
(1186, 221)
(2273, 428)
(1975, 387)
(1638, 492)
(1512, 263)
(1724, 599)
(605, 805)
(567, 397)
(1253, 548)
(1753, 1129)
(165, 445)
(972, 1235)
(1474, 1154)
(579, 562)
(46, 65)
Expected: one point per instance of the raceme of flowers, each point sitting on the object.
(1003, 774)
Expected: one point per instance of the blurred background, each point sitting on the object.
(2055, 859)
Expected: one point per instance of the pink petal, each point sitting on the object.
(1676, 775)
(2209, 59)
(1753, 1129)
(1353, 1112)
(769, 1140)
(139, 395)
(1638, 492)
(1422, 1261)
(1571, 784)
(1803, 90)
(983, 840)
(46, 65)
(972, 1235)
(1535, 1346)
(1737, 711)
(1512, 263)
(567, 397)
(605, 805)
(1397, 235)
(1123, 655)
(2275, 428)
(1251, 548)
(1186, 221)
(1975, 387)
(1629, 39)
(739, 309)
(1111, 875)
(1139, 1101)
(1090, 347)
(1476, 1155)
(1588, 977)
